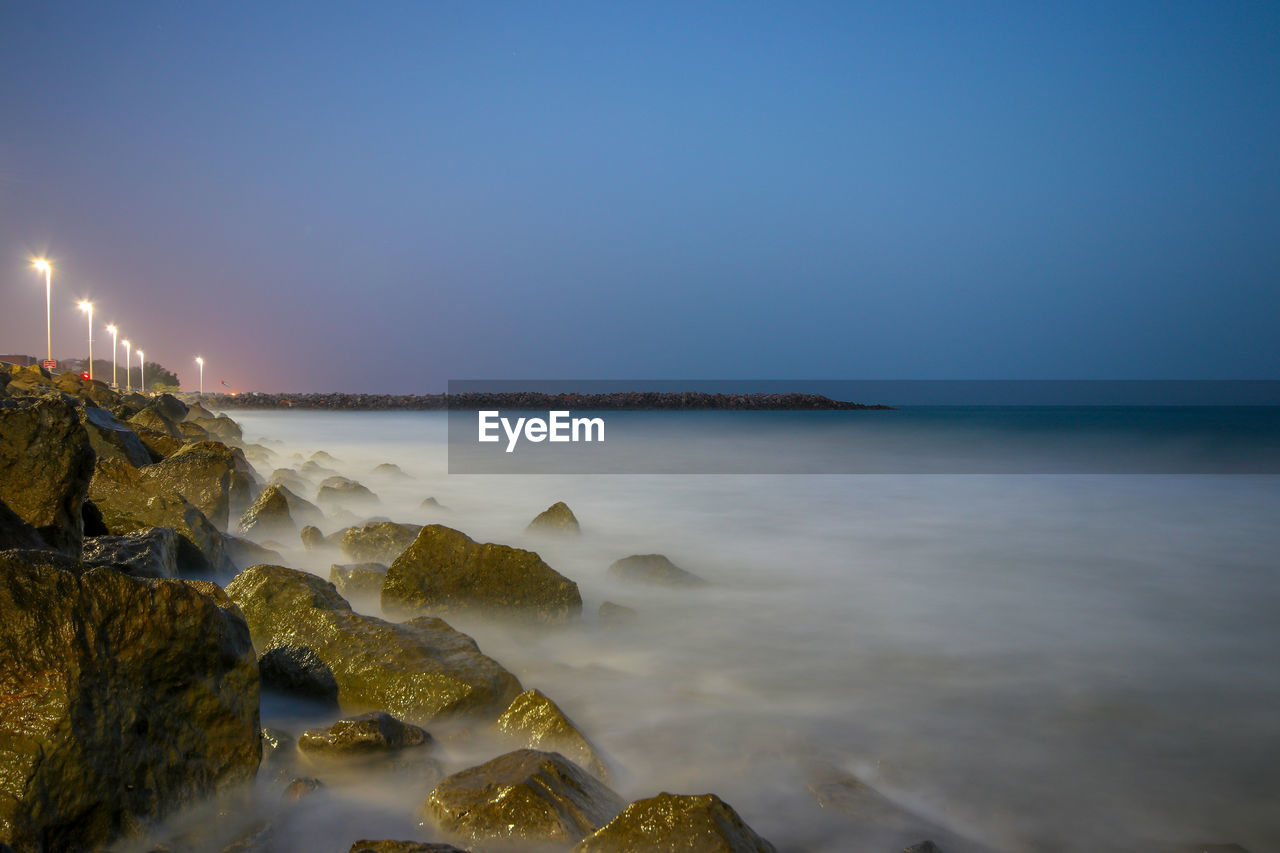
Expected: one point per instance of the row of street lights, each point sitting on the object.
(43, 265)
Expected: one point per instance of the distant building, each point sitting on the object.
(20, 360)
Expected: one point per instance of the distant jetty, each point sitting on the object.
(471, 401)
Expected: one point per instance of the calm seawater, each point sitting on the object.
(1037, 661)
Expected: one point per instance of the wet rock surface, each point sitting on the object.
(215, 478)
(358, 579)
(15, 533)
(444, 570)
(106, 679)
(338, 491)
(538, 723)
(418, 670)
(673, 822)
(374, 732)
(402, 847)
(298, 671)
(110, 437)
(523, 796)
(653, 569)
(46, 462)
(557, 518)
(147, 554)
(269, 516)
(378, 541)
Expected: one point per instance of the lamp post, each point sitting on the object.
(113, 330)
(128, 367)
(87, 307)
(45, 267)
(200, 361)
(143, 365)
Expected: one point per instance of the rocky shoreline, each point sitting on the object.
(469, 401)
(146, 608)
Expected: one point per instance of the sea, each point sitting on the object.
(1023, 628)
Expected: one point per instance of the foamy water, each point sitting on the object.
(1034, 662)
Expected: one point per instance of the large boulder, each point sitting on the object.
(446, 570)
(30, 379)
(303, 511)
(557, 518)
(153, 419)
(159, 444)
(109, 437)
(653, 569)
(195, 411)
(298, 671)
(174, 410)
(342, 492)
(46, 462)
(378, 541)
(15, 533)
(214, 477)
(536, 722)
(130, 503)
(221, 428)
(121, 699)
(525, 796)
(268, 517)
(419, 670)
(243, 553)
(146, 554)
(669, 823)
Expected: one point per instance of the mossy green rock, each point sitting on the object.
(46, 462)
(674, 822)
(131, 503)
(445, 570)
(378, 541)
(538, 723)
(419, 670)
(523, 797)
(214, 477)
(121, 699)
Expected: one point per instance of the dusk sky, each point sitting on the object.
(385, 196)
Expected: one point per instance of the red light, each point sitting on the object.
(84, 375)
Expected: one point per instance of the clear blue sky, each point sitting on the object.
(383, 196)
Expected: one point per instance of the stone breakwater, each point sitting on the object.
(630, 400)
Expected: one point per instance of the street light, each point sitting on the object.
(200, 361)
(87, 306)
(128, 367)
(45, 267)
(113, 330)
(142, 364)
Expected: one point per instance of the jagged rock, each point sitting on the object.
(358, 579)
(432, 504)
(15, 533)
(653, 569)
(303, 511)
(196, 411)
(105, 683)
(214, 477)
(445, 570)
(193, 432)
(159, 445)
(46, 462)
(221, 428)
(268, 516)
(616, 614)
(243, 553)
(91, 518)
(29, 379)
(523, 796)
(339, 491)
(146, 554)
(109, 437)
(171, 407)
(130, 502)
(538, 723)
(557, 518)
(674, 822)
(389, 469)
(374, 732)
(315, 470)
(298, 671)
(153, 419)
(366, 846)
(290, 479)
(311, 537)
(378, 541)
(299, 788)
(419, 670)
